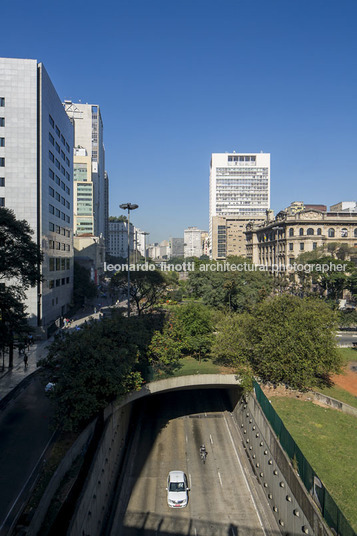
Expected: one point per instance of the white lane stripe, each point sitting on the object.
(190, 479)
(211, 440)
(220, 480)
(245, 478)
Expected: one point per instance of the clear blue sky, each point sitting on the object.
(179, 79)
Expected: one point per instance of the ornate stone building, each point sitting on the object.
(280, 241)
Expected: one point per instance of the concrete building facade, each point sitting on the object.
(228, 235)
(239, 186)
(118, 239)
(36, 179)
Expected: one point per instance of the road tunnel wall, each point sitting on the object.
(90, 514)
(294, 509)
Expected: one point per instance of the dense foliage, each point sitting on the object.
(285, 339)
(234, 290)
(93, 366)
(146, 287)
(20, 260)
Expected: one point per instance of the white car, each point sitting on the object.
(177, 496)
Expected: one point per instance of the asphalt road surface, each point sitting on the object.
(224, 497)
(346, 338)
(24, 434)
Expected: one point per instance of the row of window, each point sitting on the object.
(58, 197)
(241, 158)
(58, 165)
(57, 264)
(58, 282)
(58, 181)
(58, 149)
(56, 212)
(331, 233)
(59, 230)
(52, 244)
(58, 132)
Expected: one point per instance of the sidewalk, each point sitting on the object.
(10, 378)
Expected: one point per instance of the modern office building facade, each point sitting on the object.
(193, 242)
(239, 186)
(88, 137)
(36, 179)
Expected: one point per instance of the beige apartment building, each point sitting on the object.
(228, 235)
(279, 241)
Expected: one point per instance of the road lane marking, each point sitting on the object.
(245, 478)
(190, 479)
(186, 439)
(220, 480)
(195, 531)
(211, 440)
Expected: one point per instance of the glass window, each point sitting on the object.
(51, 209)
(301, 231)
(355, 233)
(314, 245)
(2, 121)
(52, 123)
(2, 162)
(51, 226)
(310, 231)
(2, 142)
(344, 233)
(2, 181)
(291, 246)
(2, 101)
(51, 156)
(331, 233)
(2, 201)
(319, 232)
(291, 231)
(58, 132)
(302, 246)
(51, 138)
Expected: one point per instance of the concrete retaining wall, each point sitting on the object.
(292, 506)
(336, 404)
(76, 449)
(91, 510)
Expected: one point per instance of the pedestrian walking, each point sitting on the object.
(26, 359)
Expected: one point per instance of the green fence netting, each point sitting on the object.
(329, 509)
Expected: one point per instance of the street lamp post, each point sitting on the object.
(129, 207)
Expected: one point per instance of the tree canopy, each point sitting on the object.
(20, 260)
(286, 339)
(146, 287)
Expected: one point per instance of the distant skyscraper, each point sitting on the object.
(194, 240)
(239, 185)
(89, 167)
(36, 182)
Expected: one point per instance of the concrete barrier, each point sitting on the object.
(292, 506)
(335, 404)
(76, 449)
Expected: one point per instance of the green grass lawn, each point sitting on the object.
(348, 354)
(328, 439)
(189, 366)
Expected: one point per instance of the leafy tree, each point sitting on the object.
(146, 287)
(231, 346)
(235, 290)
(194, 326)
(165, 348)
(285, 339)
(293, 341)
(20, 260)
(83, 286)
(94, 366)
